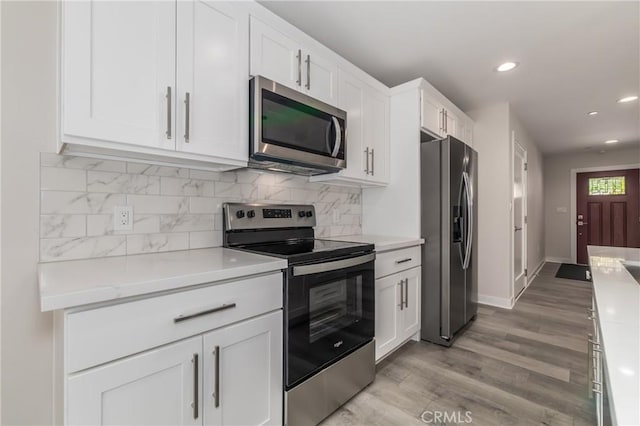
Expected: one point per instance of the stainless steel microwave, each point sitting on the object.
(292, 132)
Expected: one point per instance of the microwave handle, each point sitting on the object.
(336, 147)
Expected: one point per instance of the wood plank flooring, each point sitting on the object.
(525, 366)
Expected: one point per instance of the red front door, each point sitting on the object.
(607, 210)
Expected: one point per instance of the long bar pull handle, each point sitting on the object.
(308, 61)
(408, 259)
(168, 97)
(181, 318)
(187, 105)
(195, 386)
(216, 381)
(446, 123)
(366, 153)
(401, 295)
(299, 57)
(373, 161)
(589, 365)
(406, 293)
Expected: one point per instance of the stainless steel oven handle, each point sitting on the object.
(332, 266)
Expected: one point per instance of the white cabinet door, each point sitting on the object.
(410, 323)
(243, 373)
(376, 134)
(118, 65)
(212, 71)
(320, 78)
(156, 387)
(387, 314)
(431, 114)
(351, 100)
(451, 123)
(274, 55)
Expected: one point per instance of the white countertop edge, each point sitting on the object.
(617, 297)
(131, 288)
(382, 243)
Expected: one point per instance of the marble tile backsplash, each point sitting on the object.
(173, 208)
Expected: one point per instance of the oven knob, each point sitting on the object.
(251, 213)
(240, 214)
(309, 213)
(301, 213)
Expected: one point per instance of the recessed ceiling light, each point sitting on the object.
(611, 141)
(593, 112)
(627, 99)
(507, 66)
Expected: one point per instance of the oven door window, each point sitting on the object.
(328, 314)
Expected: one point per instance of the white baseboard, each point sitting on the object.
(558, 260)
(499, 302)
(535, 271)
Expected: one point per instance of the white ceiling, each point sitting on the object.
(574, 57)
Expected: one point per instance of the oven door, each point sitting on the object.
(329, 312)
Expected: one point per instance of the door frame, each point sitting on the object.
(525, 226)
(574, 200)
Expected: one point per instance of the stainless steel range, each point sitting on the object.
(328, 305)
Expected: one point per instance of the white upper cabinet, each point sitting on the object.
(212, 72)
(118, 67)
(367, 133)
(159, 81)
(440, 117)
(276, 55)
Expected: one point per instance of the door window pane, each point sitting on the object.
(607, 186)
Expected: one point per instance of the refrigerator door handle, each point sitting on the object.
(469, 227)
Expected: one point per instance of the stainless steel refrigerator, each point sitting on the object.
(449, 227)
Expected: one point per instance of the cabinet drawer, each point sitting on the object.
(103, 334)
(390, 262)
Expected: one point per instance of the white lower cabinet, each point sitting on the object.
(397, 309)
(156, 387)
(207, 356)
(243, 373)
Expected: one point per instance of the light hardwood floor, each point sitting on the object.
(525, 366)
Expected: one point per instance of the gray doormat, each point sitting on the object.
(569, 271)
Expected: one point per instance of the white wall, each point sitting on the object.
(558, 193)
(29, 36)
(492, 138)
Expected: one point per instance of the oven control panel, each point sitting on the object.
(242, 216)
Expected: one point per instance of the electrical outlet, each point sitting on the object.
(122, 218)
(336, 216)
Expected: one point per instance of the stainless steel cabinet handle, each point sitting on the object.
(168, 97)
(194, 360)
(216, 382)
(308, 72)
(401, 294)
(406, 292)
(366, 153)
(441, 120)
(589, 365)
(408, 259)
(185, 317)
(187, 104)
(444, 122)
(373, 161)
(517, 228)
(299, 81)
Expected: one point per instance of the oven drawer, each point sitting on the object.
(390, 262)
(103, 334)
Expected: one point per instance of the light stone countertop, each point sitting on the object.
(382, 242)
(617, 297)
(81, 282)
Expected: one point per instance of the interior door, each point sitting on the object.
(118, 71)
(519, 210)
(243, 373)
(157, 387)
(607, 210)
(212, 86)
